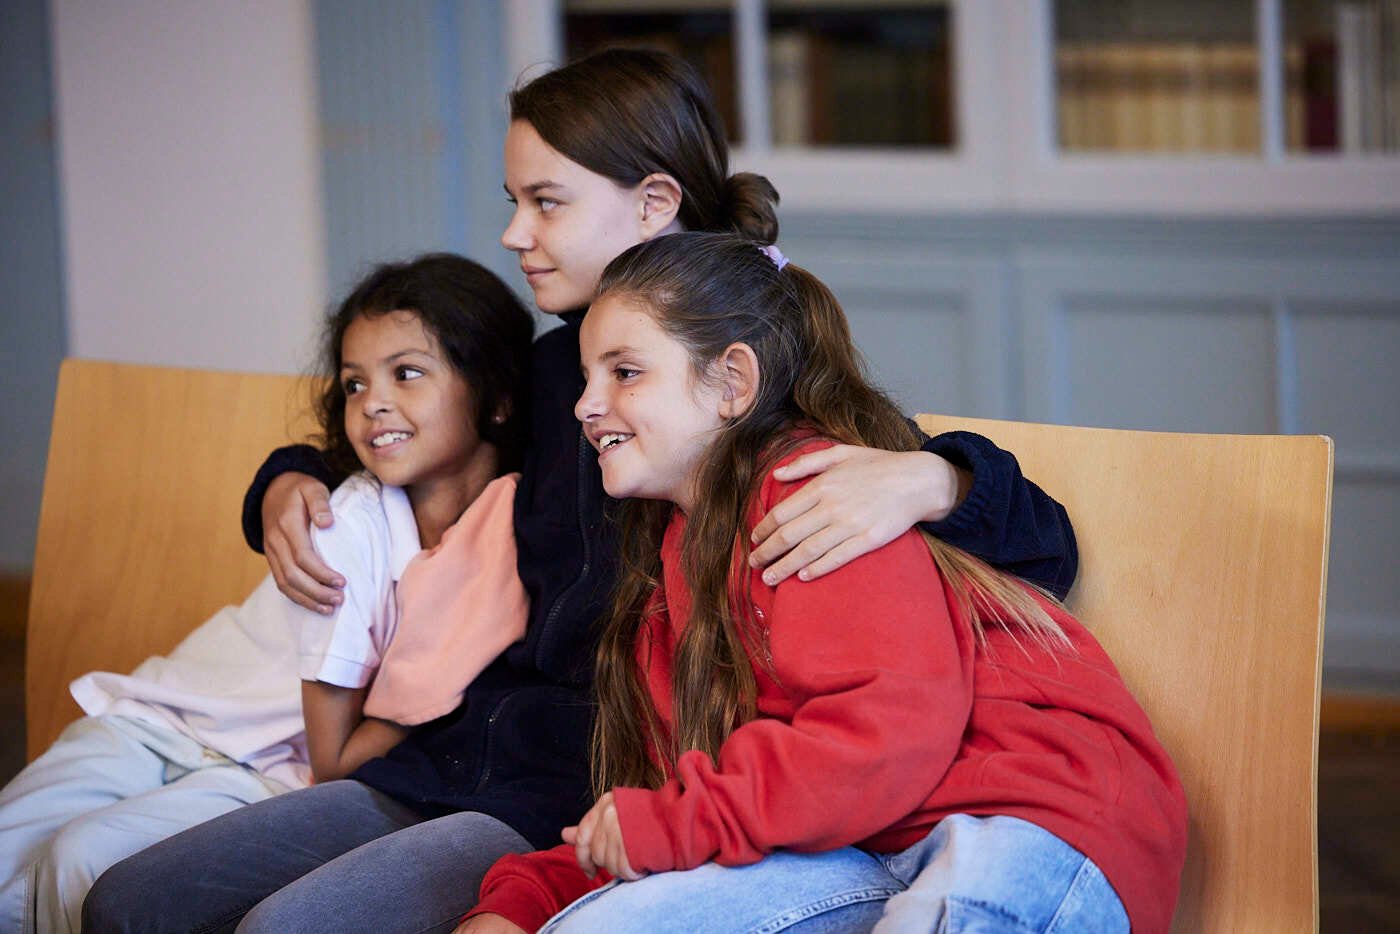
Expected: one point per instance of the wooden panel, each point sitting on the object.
(920, 340)
(1169, 364)
(139, 537)
(932, 322)
(1203, 573)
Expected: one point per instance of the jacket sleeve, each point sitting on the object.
(530, 889)
(1006, 520)
(298, 458)
(878, 696)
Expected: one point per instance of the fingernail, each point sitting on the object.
(804, 575)
(323, 609)
(770, 578)
(339, 582)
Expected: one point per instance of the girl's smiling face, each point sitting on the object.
(643, 408)
(569, 222)
(408, 412)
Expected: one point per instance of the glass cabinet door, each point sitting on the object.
(1343, 66)
(1143, 76)
(701, 33)
(1162, 76)
(860, 74)
(853, 73)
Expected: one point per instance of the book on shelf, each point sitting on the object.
(1368, 75)
(788, 70)
(826, 89)
(1160, 97)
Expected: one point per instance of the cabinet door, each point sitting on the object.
(850, 73)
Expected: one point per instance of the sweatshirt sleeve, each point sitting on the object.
(295, 458)
(879, 691)
(1006, 520)
(530, 889)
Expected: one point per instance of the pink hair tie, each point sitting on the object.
(776, 255)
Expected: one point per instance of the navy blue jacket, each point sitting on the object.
(517, 747)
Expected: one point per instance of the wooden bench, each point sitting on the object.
(139, 536)
(1203, 572)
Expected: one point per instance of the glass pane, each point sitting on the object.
(1156, 76)
(701, 33)
(1342, 75)
(863, 74)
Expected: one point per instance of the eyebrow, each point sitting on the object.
(533, 188)
(352, 365)
(607, 356)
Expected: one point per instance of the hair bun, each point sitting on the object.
(752, 205)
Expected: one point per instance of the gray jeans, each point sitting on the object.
(335, 857)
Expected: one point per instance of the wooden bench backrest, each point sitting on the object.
(139, 537)
(1203, 572)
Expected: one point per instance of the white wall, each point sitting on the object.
(190, 181)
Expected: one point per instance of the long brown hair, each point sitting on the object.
(627, 113)
(709, 291)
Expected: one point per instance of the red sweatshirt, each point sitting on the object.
(878, 716)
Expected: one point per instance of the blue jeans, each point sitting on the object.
(335, 857)
(970, 874)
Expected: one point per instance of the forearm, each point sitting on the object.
(339, 738)
(1003, 518)
(371, 739)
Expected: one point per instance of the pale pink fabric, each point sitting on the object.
(460, 605)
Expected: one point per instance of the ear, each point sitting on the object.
(502, 413)
(660, 204)
(737, 370)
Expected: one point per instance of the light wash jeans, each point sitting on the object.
(970, 874)
(108, 787)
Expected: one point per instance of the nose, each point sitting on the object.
(517, 236)
(376, 402)
(590, 405)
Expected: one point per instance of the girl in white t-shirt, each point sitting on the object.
(426, 365)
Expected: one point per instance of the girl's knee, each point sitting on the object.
(129, 890)
(110, 902)
(76, 855)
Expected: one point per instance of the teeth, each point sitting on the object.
(607, 441)
(389, 437)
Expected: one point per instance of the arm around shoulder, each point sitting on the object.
(294, 458)
(1005, 519)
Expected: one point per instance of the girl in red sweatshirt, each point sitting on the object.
(913, 742)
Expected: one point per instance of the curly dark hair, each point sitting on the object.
(477, 321)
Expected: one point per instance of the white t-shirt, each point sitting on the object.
(373, 539)
(234, 684)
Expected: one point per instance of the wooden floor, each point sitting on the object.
(1358, 830)
(1358, 781)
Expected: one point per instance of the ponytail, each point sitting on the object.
(750, 207)
(832, 390)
